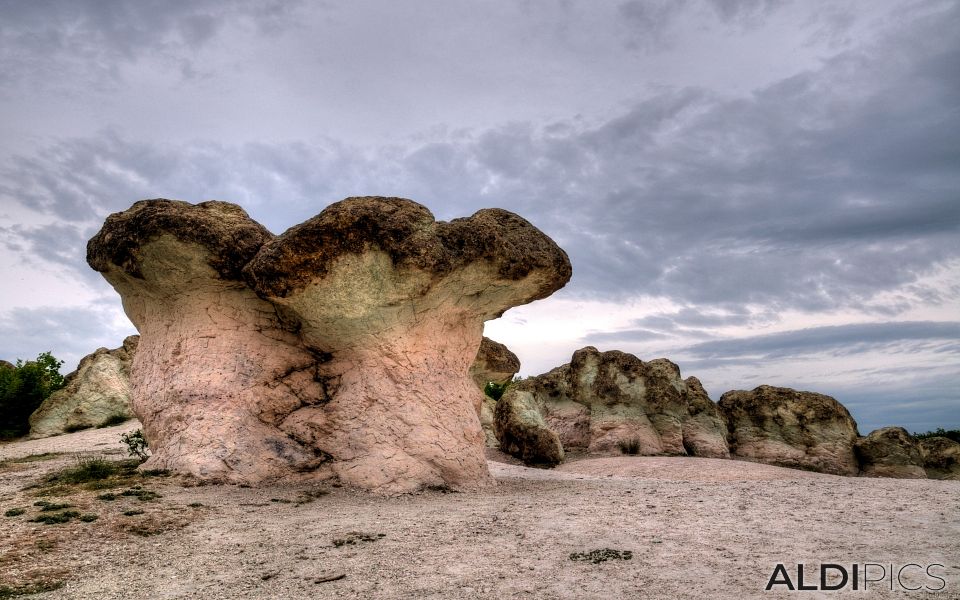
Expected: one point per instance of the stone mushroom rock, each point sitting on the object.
(397, 301)
(96, 393)
(495, 363)
(601, 400)
(216, 371)
(890, 452)
(790, 428)
(340, 348)
(941, 457)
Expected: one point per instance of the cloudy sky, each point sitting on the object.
(763, 191)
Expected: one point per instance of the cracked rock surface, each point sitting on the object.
(341, 348)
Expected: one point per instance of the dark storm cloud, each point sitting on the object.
(42, 40)
(817, 193)
(835, 339)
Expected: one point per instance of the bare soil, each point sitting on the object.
(667, 527)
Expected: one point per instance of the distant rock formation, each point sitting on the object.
(96, 393)
(789, 428)
(602, 400)
(7, 365)
(941, 457)
(339, 348)
(495, 363)
(890, 452)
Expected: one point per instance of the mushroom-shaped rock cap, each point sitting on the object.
(231, 238)
(504, 249)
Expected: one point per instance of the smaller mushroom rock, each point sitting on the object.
(397, 301)
(890, 452)
(941, 457)
(522, 432)
(97, 392)
(789, 428)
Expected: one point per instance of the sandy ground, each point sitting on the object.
(695, 528)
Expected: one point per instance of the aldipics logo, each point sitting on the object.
(911, 577)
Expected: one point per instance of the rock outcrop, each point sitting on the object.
(341, 348)
(522, 431)
(890, 452)
(789, 428)
(603, 400)
(7, 365)
(941, 457)
(98, 392)
(495, 363)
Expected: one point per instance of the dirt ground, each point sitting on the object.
(692, 528)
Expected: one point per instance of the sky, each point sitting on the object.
(765, 192)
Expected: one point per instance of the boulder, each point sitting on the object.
(603, 401)
(495, 363)
(7, 365)
(890, 452)
(522, 431)
(790, 428)
(341, 348)
(97, 393)
(941, 457)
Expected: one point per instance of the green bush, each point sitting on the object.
(952, 434)
(23, 388)
(136, 444)
(496, 390)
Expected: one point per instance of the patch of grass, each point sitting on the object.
(601, 555)
(28, 589)
(156, 473)
(196, 505)
(355, 536)
(56, 518)
(50, 506)
(631, 446)
(113, 420)
(86, 469)
(132, 513)
(14, 512)
(141, 495)
(88, 518)
(109, 497)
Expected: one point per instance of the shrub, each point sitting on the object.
(496, 390)
(86, 469)
(136, 444)
(631, 446)
(23, 389)
(952, 434)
